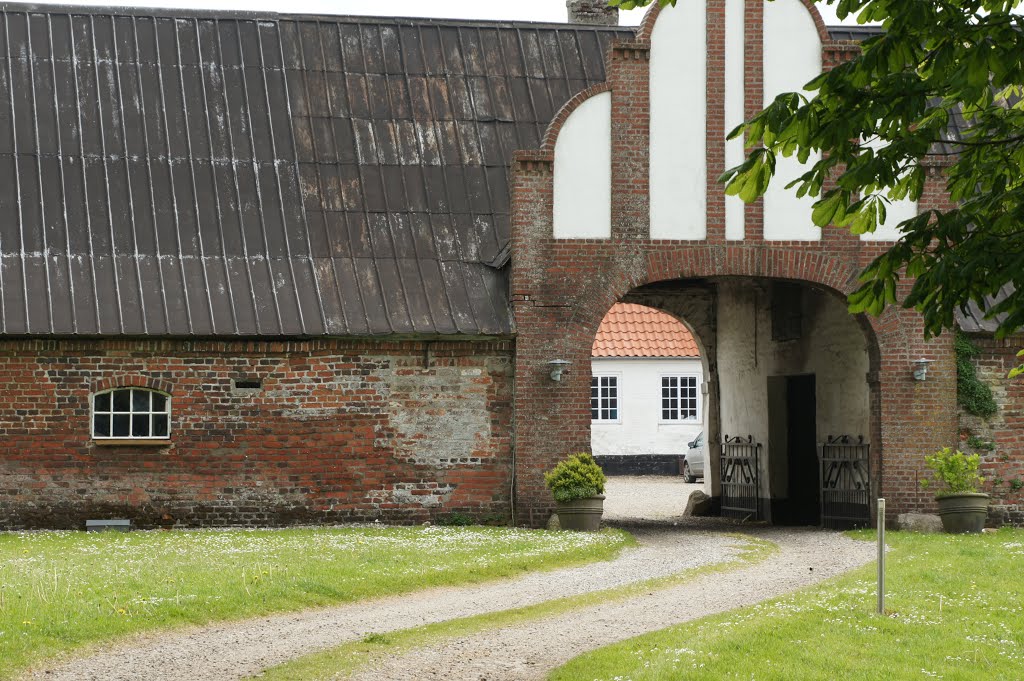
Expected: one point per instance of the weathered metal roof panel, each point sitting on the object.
(973, 318)
(204, 173)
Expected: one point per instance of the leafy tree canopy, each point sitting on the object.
(878, 120)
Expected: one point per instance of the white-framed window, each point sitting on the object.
(131, 414)
(680, 398)
(604, 397)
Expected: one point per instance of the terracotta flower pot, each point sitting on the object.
(963, 513)
(582, 515)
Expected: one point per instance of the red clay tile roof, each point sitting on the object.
(636, 331)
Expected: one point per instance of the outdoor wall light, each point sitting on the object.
(558, 367)
(921, 368)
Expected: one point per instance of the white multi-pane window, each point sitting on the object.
(680, 398)
(604, 398)
(131, 413)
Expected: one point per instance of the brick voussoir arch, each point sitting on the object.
(555, 127)
(819, 23)
(762, 262)
(131, 381)
(646, 28)
(813, 267)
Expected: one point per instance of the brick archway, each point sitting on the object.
(578, 281)
(562, 287)
(554, 419)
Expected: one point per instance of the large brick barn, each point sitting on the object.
(279, 269)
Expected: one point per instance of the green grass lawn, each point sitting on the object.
(63, 590)
(955, 611)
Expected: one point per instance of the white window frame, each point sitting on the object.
(618, 397)
(698, 387)
(131, 413)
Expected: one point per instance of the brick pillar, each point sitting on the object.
(629, 76)
(593, 12)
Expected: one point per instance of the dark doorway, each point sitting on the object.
(804, 507)
(793, 451)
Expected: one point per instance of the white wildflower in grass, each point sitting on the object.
(954, 609)
(77, 588)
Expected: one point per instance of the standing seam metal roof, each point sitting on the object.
(217, 174)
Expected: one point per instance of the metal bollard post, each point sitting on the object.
(881, 556)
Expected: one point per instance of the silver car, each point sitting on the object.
(693, 460)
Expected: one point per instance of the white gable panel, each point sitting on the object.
(734, 107)
(678, 173)
(895, 213)
(583, 172)
(792, 57)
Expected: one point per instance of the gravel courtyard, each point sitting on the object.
(648, 497)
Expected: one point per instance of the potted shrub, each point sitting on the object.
(956, 479)
(577, 483)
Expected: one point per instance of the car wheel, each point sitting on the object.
(688, 476)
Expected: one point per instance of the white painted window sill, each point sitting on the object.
(131, 442)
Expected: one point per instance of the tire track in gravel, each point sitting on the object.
(530, 651)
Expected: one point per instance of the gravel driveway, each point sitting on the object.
(530, 651)
(648, 497)
(668, 545)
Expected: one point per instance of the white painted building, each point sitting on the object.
(646, 384)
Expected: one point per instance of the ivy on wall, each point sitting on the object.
(971, 393)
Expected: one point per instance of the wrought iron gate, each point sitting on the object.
(740, 494)
(845, 483)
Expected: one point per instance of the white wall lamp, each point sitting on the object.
(558, 367)
(921, 368)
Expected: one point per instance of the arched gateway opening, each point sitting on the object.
(786, 372)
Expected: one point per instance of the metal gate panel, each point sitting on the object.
(739, 476)
(845, 482)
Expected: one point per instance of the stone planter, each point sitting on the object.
(963, 513)
(582, 515)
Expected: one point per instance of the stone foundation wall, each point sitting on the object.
(337, 431)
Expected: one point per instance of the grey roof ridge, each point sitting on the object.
(194, 13)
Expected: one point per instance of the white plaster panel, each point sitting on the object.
(895, 213)
(792, 57)
(734, 108)
(640, 430)
(583, 172)
(678, 173)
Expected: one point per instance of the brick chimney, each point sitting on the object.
(593, 12)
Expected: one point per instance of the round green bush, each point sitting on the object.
(576, 477)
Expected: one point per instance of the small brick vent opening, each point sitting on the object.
(247, 384)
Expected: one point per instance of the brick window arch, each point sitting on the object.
(131, 413)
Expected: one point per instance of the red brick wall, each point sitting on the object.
(1003, 466)
(339, 431)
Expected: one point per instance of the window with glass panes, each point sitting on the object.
(131, 413)
(604, 398)
(680, 397)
